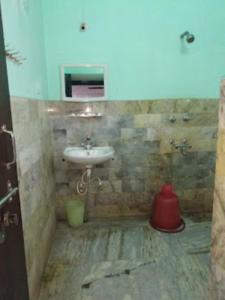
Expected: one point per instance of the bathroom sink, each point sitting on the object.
(88, 157)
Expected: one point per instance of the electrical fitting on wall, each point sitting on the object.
(83, 27)
(188, 37)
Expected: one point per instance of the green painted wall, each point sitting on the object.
(139, 41)
(23, 30)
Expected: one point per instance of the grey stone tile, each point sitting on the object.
(152, 134)
(36, 183)
(59, 123)
(205, 182)
(103, 173)
(207, 159)
(125, 121)
(185, 170)
(203, 171)
(108, 186)
(106, 136)
(33, 110)
(113, 261)
(115, 173)
(133, 185)
(135, 172)
(133, 134)
(163, 160)
(184, 182)
(179, 159)
(121, 121)
(152, 146)
(159, 171)
(165, 106)
(197, 105)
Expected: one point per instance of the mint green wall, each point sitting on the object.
(23, 30)
(139, 41)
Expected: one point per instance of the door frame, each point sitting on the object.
(13, 273)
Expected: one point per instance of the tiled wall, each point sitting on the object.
(217, 282)
(36, 183)
(140, 132)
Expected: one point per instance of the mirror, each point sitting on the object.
(84, 82)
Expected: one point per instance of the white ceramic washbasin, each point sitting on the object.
(93, 156)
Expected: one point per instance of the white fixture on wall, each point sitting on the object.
(88, 113)
(88, 157)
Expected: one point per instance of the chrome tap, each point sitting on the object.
(183, 147)
(172, 119)
(87, 144)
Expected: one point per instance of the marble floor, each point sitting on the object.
(128, 260)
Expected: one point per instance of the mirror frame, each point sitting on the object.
(88, 99)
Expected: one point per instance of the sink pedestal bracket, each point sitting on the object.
(83, 187)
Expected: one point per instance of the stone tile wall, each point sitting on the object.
(140, 132)
(217, 279)
(36, 183)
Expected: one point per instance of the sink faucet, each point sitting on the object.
(87, 144)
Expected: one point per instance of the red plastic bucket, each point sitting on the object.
(166, 211)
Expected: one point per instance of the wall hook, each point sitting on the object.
(14, 56)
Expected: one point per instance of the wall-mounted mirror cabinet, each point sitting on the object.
(84, 82)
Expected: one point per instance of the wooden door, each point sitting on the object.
(13, 276)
